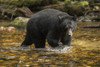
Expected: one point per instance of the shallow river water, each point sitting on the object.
(84, 52)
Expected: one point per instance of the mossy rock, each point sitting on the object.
(19, 22)
(76, 7)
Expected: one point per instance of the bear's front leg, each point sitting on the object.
(67, 37)
(28, 41)
(66, 40)
(53, 40)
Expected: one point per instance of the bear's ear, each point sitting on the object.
(62, 17)
(74, 17)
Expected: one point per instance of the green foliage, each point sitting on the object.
(25, 2)
(81, 3)
(67, 2)
(21, 3)
(32, 2)
(61, 0)
(98, 4)
(76, 7)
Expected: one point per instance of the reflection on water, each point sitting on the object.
(85, 51)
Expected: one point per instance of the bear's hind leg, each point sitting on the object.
(39, 43)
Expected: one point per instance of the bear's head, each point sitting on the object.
(67, 23)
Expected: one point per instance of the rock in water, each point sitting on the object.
(20, 22)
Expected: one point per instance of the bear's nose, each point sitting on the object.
(69, 32)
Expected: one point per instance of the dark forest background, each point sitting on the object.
(85, 10)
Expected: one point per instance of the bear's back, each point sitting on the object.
(49, 12)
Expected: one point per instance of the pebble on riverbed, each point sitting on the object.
(11, 28)
(8, 58)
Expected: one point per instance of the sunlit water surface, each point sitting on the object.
(84, 50)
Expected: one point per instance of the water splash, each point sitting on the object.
(66, 49)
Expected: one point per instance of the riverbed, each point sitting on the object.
(84, 51)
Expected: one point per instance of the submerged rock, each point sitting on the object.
(90, 16)
(84, 19)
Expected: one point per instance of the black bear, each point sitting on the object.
(51, 24)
